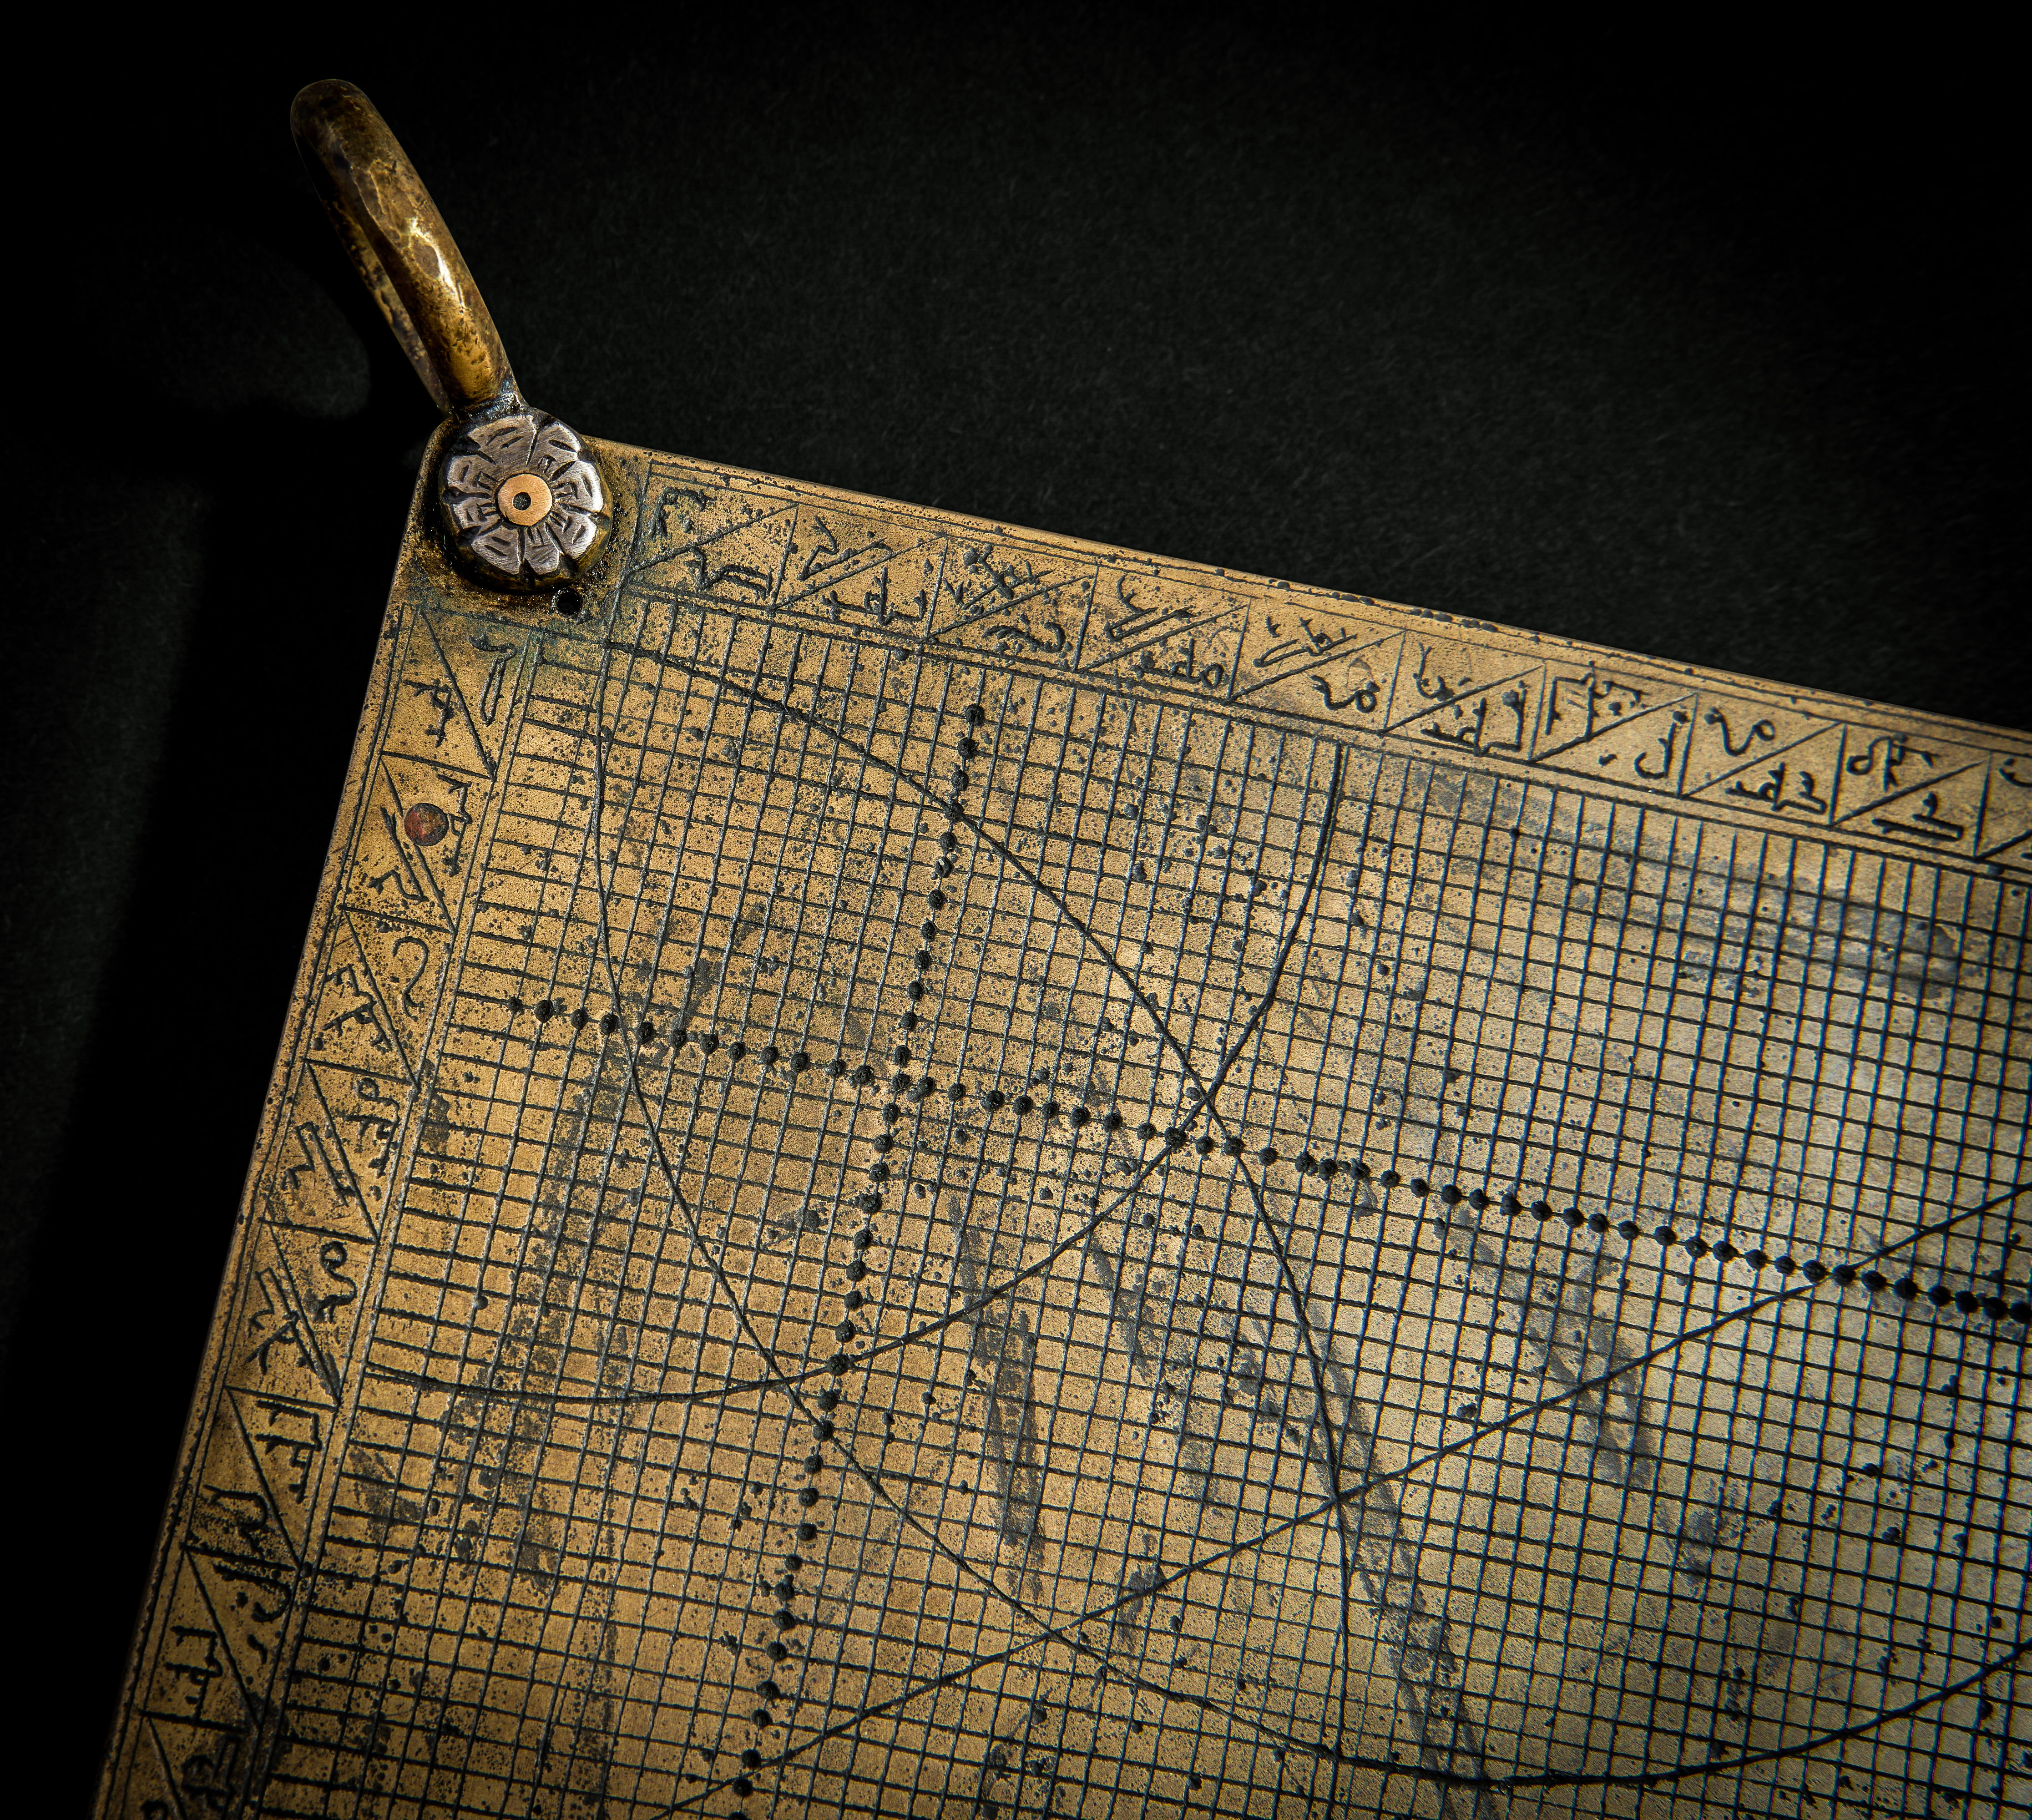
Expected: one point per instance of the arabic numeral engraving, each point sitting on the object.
(1785, 786)
(1881, 760)
(1362, 699)
(1927, 824)
(1669, 746)
(1483, 732)
(1211, 677)
(1759, 730)
(332, 1261)
(192, 1657)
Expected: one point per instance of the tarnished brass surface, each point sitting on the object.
(919, 1168)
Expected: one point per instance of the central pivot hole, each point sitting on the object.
(524, 499)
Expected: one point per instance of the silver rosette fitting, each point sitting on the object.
(523, 500)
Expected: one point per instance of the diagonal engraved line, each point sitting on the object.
(873, 1481)
(1778, 1753)
(1296, 923)
(1580, 1387)
(1341, 1497)
(1204, 1563)
(1537, 1406)
(1391, 1766)
(972, 824)
(1412, 1691)
(916, 1335)
(1339, 1500)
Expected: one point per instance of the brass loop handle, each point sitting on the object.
(401, 246)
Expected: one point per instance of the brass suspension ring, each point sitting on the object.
(401, 246)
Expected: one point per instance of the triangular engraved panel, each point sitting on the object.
(448, 703)
(295, 1326)
(1729, 735)
(406, 962)
(1169, 629)
(861, 569)
(2007, 809)
(1941, 814)
(1306, 660)
(1439, 673)
(231, 1510)
(285, 1441)
(416, 841)
(214, 1767)
(249, 1605)
(1585, 706)
(335, 1152)
(1012, 602)
(1493, 722)
(1797, 782)
(1627, 730)
(700, 538)
(353, 1024)
(1888, 778)
(190, 1677)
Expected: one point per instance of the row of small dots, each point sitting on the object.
(1907, 1288)
(857, 1269)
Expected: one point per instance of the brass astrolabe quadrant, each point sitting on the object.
(919, 1167)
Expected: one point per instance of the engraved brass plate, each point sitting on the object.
(921, 1169)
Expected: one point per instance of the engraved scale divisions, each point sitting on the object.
(925, 1169)
(1491, 694)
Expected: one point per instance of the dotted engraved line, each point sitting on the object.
(2008, 1300)
(870, 1202)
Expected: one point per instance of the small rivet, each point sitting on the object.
(426, 824)
(524, 499)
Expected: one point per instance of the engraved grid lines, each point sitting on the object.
(1165, 757)
(881, 1303)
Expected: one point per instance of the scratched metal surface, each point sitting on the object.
(929, 1170)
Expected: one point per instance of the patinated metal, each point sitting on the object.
(921, 1168)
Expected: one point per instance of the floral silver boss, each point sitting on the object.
(523, 499)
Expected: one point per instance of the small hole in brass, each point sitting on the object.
(568, 601)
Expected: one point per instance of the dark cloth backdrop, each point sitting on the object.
(1700, 342)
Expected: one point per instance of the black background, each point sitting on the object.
(1702, 343)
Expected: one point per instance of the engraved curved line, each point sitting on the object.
(1389, 1766)
(1532, 1779)
(423, 1381)
(1344, 1640)
(1583, 1386)
(1339, 1499)
(873, 1482)
(931, 1537)
(1301, 912)
(1370, 1481)
(1415, 1698)
(973, 825)
(1208, 1089)
(1778, 1753)
(784, 1380)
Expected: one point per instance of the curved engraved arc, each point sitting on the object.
(1368, 1482)
(1068, 1631)
(1416, 1665)
(1451, 1779)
